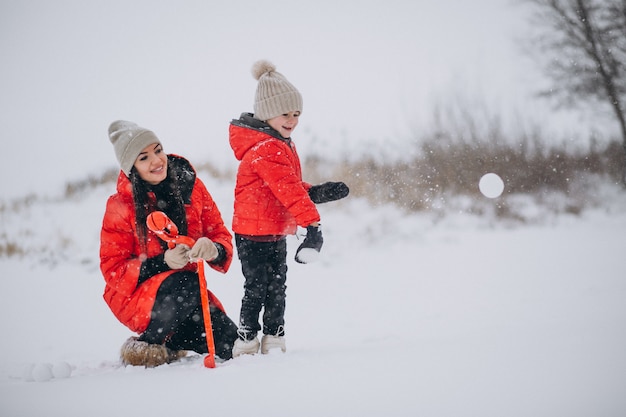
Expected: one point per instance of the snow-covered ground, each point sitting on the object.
(402, 316)
(431, 315)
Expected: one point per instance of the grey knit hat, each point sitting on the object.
(129, 140)
(274, 94)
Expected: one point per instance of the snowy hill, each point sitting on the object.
(403, 316)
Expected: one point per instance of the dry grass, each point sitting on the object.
(444, 167)
(441, 177)
(76, 187)
(9, 249)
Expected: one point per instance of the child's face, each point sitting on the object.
(151, 164)
(285, 124)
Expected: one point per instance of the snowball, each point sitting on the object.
(308, 255)
(42, 372)
(61, 370)
(491, 185)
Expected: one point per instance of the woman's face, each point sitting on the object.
(151, 164)
(285, 124)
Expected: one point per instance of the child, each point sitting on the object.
(271, 200)
(151, 289)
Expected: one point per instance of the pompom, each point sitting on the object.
(262, 67)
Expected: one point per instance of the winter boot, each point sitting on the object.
(175, 355)
(269, 342)
(245, 347)
(138, 353)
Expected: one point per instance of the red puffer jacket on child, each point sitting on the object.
(270, 196)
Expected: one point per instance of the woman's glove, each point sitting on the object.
(203, 248)
(177, 257)
(309, 249)
(329, 191)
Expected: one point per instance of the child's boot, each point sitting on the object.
(269, 342)
(246, 344)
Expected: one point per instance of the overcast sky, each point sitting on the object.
(369, 71)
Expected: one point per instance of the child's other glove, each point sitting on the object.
(328, 191)
(177, 257)
(309, 249)
(203, 248)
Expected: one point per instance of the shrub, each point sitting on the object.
(445, 166)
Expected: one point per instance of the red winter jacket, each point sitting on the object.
(121, 257)
(270, 196)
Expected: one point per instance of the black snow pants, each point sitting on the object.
(177, 319)
(264, 267)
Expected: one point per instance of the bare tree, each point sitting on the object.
(585, 41)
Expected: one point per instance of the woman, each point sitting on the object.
(153, 290)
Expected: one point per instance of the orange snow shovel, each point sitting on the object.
(166, 229)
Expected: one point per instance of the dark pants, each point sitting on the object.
(177, 319)
(264, 266)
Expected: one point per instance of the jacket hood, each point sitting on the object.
(246, 132)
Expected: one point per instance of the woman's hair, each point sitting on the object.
(168, 199)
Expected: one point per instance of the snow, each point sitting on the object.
(308, 256)
(402, 315)
(436, 314)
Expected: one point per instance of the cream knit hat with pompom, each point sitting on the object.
(274, 94)
(129, 140)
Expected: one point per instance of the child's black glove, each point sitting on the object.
(309, 249)
(329, 191)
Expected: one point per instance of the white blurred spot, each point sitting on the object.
(491, 185)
